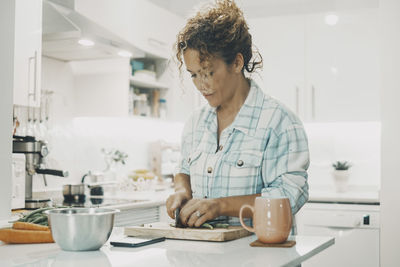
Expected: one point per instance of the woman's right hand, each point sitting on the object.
(176, 200)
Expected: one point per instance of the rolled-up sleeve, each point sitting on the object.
(285, 163)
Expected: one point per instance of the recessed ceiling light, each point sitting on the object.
(124, 53)
(86, 42)
(331, 19)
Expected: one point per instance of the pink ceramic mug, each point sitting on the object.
(272, 219)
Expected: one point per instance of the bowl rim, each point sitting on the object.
(56, 211)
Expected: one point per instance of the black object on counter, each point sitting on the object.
(52, 172)
(97, 191)
(74, 198)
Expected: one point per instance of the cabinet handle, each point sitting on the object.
(32, 93)
(312, 102)
(297, 100)
(35, 79)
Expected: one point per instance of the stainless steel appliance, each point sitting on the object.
(35, 152)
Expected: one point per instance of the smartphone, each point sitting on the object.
(136, 241)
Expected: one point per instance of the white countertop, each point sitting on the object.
(167, 253)
(354, 194)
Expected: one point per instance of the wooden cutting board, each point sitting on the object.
(164, 229)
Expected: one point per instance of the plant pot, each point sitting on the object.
(341, 179)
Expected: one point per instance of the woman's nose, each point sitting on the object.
(204, 81)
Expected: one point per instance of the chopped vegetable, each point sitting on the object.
(221, 225)
(210, 225)
(207, 225)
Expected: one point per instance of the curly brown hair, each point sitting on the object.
(218, 30)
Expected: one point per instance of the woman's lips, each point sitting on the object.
(207, 96)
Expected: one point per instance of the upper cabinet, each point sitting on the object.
(27, 52)
(280, 41)
(323, 66)
(342, 65)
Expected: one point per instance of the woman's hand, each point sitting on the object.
(176, 200)
(197, 211)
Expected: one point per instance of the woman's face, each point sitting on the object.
(217, 82)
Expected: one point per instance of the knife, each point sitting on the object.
(178, 222)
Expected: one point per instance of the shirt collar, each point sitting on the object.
(247, 118)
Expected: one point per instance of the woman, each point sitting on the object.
(243, 143)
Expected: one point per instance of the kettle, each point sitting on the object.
(94, 177)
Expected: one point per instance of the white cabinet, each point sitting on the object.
(322, 72)
(355, 228)
(280, 41)
(137, 216)
(27, 52)
(342, 66)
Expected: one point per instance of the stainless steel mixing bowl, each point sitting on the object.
(77, 229)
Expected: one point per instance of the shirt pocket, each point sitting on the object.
(242, 169)
(244, 159)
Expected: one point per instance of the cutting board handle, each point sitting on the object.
(248, 228)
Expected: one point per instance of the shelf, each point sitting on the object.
(142, 83)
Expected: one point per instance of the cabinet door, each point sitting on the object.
(342, 69)
(27, 52)
(281, 44)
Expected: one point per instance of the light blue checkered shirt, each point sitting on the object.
(264, 150)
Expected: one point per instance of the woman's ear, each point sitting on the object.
(238, 63)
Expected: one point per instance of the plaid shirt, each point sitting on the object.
(264, 150)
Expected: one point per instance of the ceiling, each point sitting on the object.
(268, 8)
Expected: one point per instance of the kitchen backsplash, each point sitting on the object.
(356, 142)
(77, 146)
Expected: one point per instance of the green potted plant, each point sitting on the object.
(341, 175)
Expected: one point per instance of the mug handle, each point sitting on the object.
(248, 228)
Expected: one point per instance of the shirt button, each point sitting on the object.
(220, 148)
(209, 170)
(240, 163)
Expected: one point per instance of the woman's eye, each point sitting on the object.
(211, 73)
(193, 75)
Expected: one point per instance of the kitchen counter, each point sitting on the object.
(168, 253)
(354, 195)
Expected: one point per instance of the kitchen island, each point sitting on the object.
(167, 253)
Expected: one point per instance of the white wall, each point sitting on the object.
(390, 96)
(356, 142)
(7, 19)
(101, 87)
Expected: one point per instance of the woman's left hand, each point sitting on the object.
(197, 211)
